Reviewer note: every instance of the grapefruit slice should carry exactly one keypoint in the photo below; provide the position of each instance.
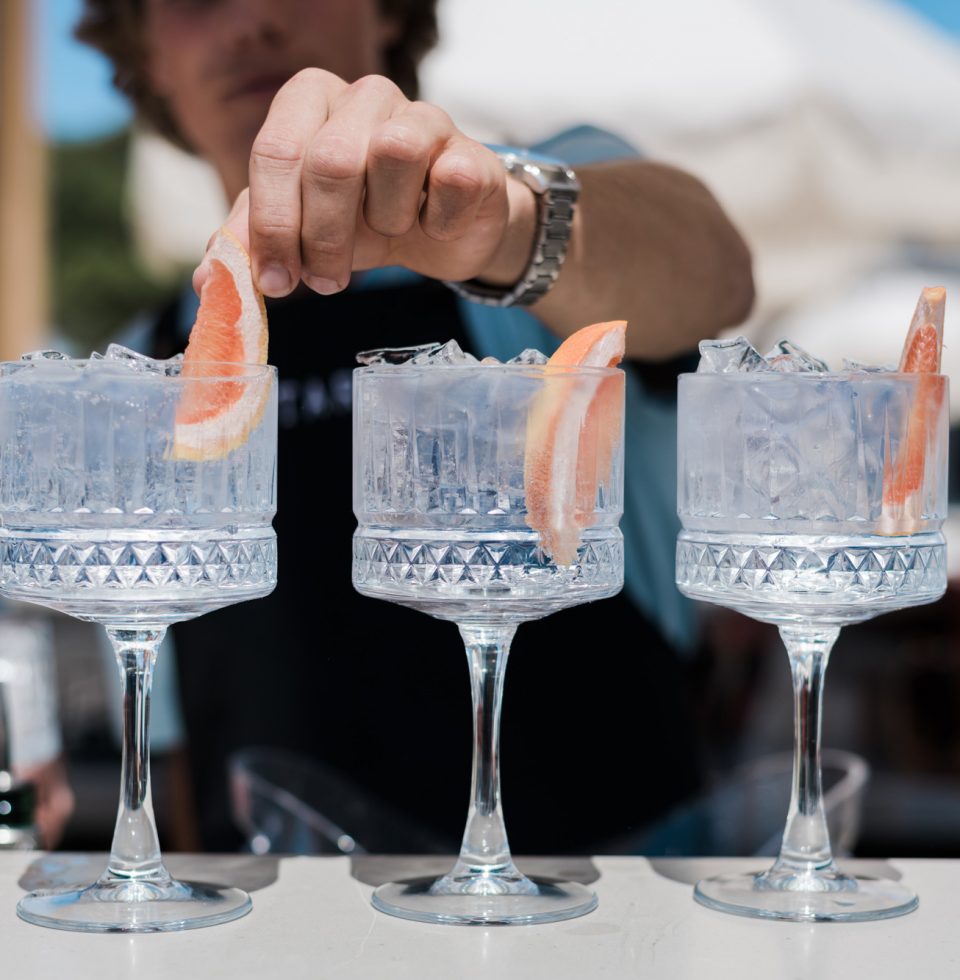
(230, 332)
(573, 433)
(903, 479)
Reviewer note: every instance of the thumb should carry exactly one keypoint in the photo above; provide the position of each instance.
(238, 224)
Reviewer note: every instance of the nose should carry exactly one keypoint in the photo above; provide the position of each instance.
(255, 21)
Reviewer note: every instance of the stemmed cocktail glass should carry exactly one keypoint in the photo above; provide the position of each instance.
(135, 497)
(812, 501)
(441, 499)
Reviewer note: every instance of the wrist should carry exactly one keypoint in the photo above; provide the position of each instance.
(512, 256)
(555, 189)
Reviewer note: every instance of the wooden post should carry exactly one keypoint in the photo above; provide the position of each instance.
(23, 190)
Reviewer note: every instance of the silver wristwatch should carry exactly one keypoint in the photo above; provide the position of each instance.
(557, 188)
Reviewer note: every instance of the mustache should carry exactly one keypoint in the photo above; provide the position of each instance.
(232, 72)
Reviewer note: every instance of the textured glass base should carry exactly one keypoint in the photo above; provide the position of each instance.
(485, 900)
(780, 578)
(822, 897)
(134, 906)
(127, 575)
(475, 576)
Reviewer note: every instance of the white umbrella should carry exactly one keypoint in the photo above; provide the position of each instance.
(700, 73)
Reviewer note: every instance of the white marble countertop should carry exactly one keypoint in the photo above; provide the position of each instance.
(312, 918)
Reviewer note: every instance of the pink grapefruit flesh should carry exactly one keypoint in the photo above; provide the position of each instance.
(573, 435)
(217, 415)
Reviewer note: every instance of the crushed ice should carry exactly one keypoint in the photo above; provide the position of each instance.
(790, 358)
(173, 366)
(857, 367)
(116, 359)
(730, 357)
(529, 356)
(738, 356)
(45, 355)
(394, 355)
(449, 353)
(132, 360)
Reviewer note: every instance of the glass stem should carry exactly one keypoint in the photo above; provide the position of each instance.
(806, 840)
(485, 850)
(135, 853)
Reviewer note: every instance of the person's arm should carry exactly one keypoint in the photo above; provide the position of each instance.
(650, 245)
(354, 176)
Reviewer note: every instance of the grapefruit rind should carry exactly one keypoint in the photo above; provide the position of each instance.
(573, 433)
(210, 426)
(217, 437)
(903, 478)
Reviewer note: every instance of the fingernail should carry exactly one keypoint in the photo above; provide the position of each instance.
(323, 286)
(274, 279)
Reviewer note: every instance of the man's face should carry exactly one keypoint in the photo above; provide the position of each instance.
(218, 63)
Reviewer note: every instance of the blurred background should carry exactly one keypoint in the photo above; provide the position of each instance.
(829, 131)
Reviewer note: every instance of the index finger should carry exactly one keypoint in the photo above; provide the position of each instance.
(299, 109)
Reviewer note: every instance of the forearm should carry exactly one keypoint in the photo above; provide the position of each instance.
(649, 245)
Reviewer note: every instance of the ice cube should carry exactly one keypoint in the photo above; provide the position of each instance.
(45, 355)
(856, 367)
(449, 353)
(729, 357)
(789, 358)
(133, 359)
(529, 356)
(173, 365)
(394, 355)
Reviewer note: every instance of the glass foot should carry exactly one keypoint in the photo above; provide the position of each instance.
(815, 897)
(485, 900)
(134, 906)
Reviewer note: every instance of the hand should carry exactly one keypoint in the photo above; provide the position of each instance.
(54, 799)
(355, 176)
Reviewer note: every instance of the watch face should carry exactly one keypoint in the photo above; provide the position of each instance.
(542, 174)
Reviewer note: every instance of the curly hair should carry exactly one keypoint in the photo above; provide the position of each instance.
(114, 27)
